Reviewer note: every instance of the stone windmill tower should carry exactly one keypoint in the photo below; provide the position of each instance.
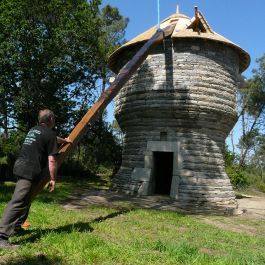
(176, 112)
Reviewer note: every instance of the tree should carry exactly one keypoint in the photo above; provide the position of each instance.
(253, 95)
(114, 25)
(49, 53)
(258, 157)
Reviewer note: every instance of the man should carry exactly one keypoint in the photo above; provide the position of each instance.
(39, 152)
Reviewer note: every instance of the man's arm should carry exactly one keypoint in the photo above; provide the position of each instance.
(53, 171)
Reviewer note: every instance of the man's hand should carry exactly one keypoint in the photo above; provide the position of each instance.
(68, 140)
(51, 185)
(61, 140)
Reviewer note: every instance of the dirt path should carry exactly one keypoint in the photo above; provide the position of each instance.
(248, 206)
(254, 206)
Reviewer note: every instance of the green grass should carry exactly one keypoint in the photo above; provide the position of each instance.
(101, 235)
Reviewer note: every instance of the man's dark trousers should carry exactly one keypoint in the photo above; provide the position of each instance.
(17, 209)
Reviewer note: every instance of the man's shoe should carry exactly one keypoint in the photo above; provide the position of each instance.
(5, 244)
(19, 231)
(26, 224)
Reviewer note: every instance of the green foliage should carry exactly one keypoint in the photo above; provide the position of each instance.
(243, 177)
(230, 157)
(260, 185)
(49, 56)
(11, 145)
(3, 160)
(9, 148)
(258, 157)
(237, 176)
(255, 177)
(248, 140)
(235, 173)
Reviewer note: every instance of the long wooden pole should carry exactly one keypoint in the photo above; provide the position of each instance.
(124, 75)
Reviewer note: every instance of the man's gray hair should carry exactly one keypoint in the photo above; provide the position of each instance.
(45, 116)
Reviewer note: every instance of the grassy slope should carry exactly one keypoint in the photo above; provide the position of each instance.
(100, 235)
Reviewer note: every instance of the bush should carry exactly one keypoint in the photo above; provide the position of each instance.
(260, 185)
(73, 168)
(237, 176)
(9, 149)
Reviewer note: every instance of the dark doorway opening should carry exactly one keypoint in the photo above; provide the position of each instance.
(163, 168)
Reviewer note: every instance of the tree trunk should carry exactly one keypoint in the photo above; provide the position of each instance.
(243, 156)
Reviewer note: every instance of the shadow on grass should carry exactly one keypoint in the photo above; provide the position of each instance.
(39, 259)
(77, 227)
(6, 191)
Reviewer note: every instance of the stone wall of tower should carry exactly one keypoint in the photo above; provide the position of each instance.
(183, 95)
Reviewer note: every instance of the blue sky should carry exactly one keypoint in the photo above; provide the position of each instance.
(240, 21)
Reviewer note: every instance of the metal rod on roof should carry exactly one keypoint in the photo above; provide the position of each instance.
(177, 10)
(196, 12)
(158, 14)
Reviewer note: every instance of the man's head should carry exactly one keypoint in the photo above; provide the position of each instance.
(46, 116)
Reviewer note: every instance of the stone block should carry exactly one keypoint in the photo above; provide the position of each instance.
(162, 146)
(144, 188)
(141, 174)
(148, 161)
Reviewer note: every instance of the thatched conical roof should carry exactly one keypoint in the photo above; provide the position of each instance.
(197, 27)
